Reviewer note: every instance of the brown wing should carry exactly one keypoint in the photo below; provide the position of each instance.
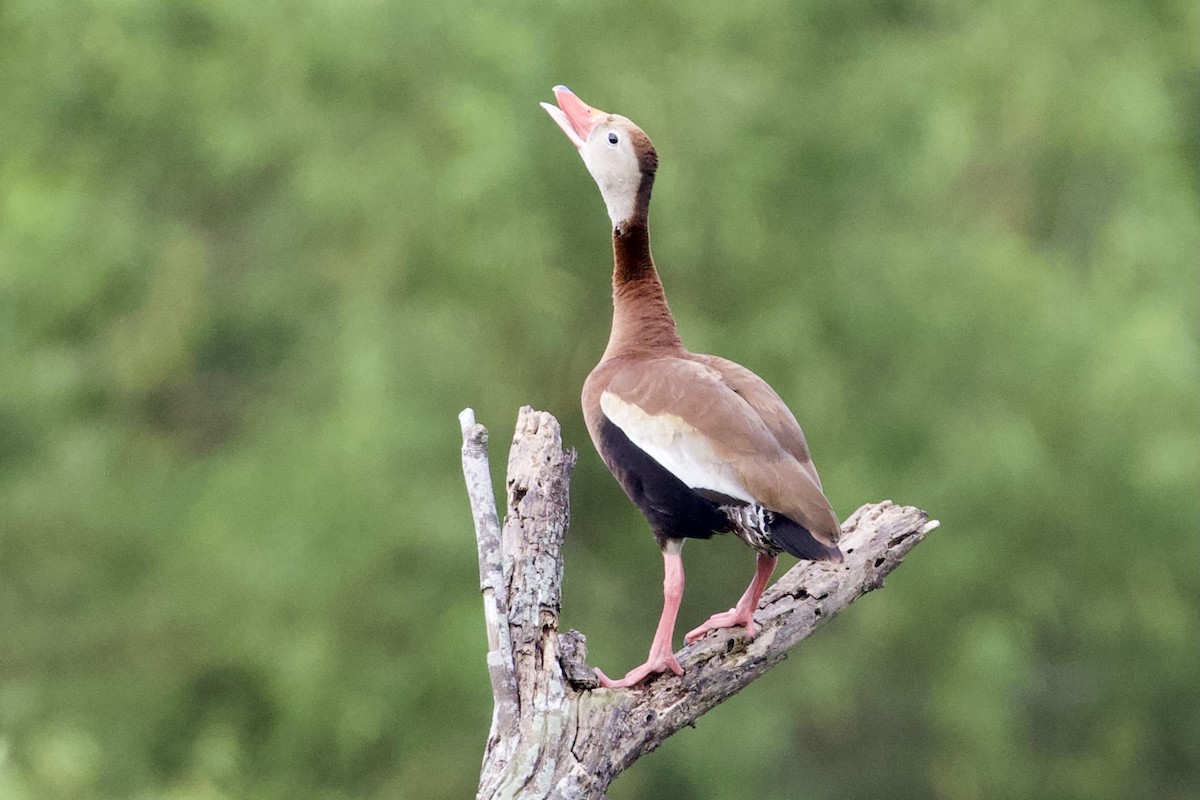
(769, 406)
(702, 426)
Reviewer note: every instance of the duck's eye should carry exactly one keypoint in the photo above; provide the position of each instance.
(612, 138)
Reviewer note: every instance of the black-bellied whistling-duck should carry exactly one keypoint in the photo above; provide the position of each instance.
(700, 444)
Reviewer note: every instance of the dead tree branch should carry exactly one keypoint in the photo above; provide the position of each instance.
(553, 734)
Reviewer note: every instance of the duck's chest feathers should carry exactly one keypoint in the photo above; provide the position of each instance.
(674, 510)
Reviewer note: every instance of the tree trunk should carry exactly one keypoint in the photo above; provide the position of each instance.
(555, 734)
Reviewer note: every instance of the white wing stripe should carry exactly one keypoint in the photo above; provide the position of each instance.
(677, 446)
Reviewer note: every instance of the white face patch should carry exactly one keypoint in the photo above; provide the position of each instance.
(677, 446)
(615, 168)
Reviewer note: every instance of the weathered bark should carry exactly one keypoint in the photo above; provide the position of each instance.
(554, 735)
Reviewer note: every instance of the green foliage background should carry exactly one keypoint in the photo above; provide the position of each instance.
(255, 257)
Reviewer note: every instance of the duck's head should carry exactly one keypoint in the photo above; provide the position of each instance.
(618, 153)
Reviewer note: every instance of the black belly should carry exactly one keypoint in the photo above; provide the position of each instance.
(673, 510)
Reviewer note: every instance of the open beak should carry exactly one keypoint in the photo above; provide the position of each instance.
(575, 117)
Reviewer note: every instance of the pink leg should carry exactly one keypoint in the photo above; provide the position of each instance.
(743, 612)
(662, 656)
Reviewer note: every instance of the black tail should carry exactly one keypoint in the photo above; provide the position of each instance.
(794, 538)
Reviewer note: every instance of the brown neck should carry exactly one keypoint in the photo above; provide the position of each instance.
(642, 322)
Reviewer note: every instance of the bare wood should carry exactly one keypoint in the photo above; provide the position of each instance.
(553, 734)
(477, 473)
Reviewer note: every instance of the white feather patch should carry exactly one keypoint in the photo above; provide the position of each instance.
(677, 446)
(616, 172)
